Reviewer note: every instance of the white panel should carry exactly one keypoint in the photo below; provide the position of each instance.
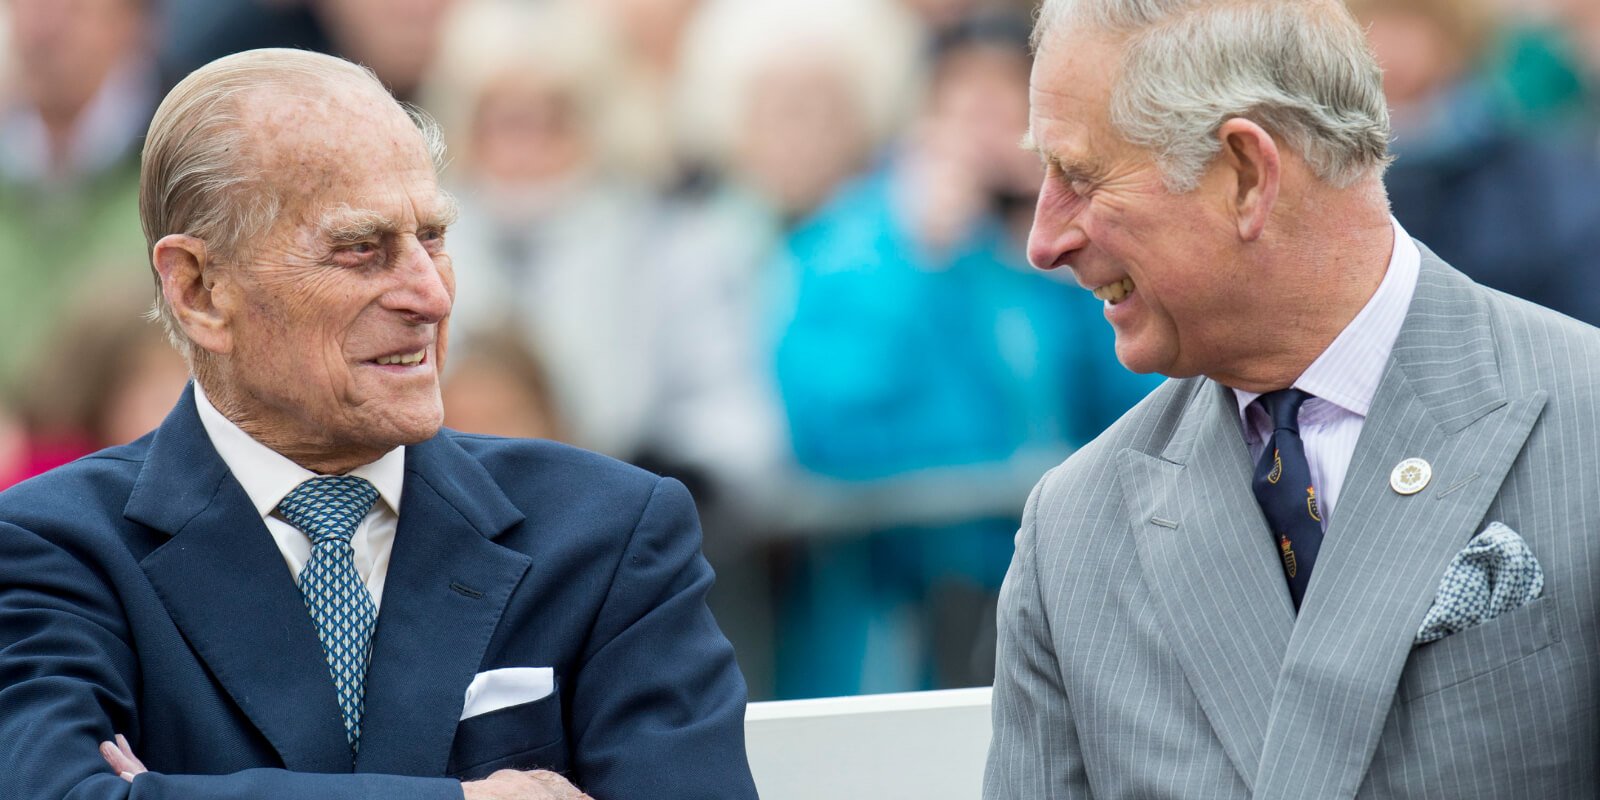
(923, 745)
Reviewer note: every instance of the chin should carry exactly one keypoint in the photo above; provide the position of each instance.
(1136, 360)
(411, 428)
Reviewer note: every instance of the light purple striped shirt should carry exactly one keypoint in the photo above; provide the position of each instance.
(1344, 379)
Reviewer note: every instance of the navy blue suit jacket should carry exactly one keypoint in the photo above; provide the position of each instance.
(141, 594)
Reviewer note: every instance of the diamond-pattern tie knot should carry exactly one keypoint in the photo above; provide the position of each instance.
(328, 509)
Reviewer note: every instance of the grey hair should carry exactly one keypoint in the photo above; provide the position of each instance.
(198, 178)
(1299, 68)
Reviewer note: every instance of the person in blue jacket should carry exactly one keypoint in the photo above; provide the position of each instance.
(928, 374)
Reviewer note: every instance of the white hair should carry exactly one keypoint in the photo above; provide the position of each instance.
(1299, 68)
(561, 42)
(197, 177)
(874, 44)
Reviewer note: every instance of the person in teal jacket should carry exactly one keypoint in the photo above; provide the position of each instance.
(927, 374)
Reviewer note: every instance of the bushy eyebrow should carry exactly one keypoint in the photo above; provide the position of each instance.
(445, 211)
(1070, 169)
(345, 224)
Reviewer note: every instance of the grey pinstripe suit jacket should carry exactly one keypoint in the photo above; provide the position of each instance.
(1148, 647)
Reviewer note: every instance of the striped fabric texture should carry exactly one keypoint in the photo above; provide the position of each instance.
(1148, 647)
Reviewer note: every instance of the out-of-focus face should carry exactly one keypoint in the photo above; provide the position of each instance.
(526, 130)
(335, 323)
(66, 48)
(482, 396)
(396, 38)
(1417, 57)
(1163, 263)
(652, 28)
(152, 379)
(981, 96)
(801, 135)
(940, 13)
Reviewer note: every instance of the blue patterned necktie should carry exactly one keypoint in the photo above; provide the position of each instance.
(328, 508)
(1283, 488)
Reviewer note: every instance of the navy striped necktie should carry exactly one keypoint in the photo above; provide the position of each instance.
(1283, 488)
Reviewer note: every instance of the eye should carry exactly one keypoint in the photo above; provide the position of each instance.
(1074, 181)
(358, 253)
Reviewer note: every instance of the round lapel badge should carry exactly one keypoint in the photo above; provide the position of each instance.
(1410, 476)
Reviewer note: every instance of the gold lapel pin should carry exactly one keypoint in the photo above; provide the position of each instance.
(1410, 476)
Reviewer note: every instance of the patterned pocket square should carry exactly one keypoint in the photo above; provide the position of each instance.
(1495, 573)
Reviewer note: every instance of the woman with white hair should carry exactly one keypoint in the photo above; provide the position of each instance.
(643, 336)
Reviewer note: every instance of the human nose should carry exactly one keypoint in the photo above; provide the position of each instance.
(425, 291)
(1057, 233)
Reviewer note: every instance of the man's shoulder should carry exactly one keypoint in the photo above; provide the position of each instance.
(1542, 349)
(85, 498)
(532, 469)
(1145, 429)
(106, 475)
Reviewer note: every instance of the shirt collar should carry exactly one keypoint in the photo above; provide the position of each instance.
(267, 477)
(1347, 374)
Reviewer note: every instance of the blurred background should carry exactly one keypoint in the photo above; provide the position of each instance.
(773, 248)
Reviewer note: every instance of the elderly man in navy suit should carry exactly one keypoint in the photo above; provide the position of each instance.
(300, 586)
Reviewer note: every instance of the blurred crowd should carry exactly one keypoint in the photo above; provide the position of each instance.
(773, 248)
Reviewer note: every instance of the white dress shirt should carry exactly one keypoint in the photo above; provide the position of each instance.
(267, 477)
(1344, 379)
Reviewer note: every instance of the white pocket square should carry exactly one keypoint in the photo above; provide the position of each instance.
(1495, 573)
(502, 688)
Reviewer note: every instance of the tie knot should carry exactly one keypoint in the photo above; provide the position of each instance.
(328, 506)
(1283, 406)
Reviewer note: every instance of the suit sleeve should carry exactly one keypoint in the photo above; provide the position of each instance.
(69, 680)
(1034, 752)
(658, 703)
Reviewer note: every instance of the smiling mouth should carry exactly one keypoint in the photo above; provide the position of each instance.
(1115, 292)
(402, 359)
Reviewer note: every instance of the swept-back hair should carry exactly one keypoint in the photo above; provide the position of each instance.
(1302, 69)
(199, 176)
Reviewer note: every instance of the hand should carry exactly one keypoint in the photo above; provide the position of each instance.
(508, 784)
(121, 758)
(943, 191)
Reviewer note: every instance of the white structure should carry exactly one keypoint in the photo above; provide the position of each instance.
(924, 745)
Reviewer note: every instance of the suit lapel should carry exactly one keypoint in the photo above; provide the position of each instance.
(1209, 560)
(446, 589)
(1441, 399)
(228, 590)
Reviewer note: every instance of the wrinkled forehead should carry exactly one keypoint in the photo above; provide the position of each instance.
(1073, 77)
(314, 141)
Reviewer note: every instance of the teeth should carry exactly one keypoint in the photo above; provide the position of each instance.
(1113, 293)
(409, 359)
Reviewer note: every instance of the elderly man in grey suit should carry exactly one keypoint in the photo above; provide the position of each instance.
(1352, 548)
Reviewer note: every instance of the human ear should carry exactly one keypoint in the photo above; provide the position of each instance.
(189, 284)
(1251, 154)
